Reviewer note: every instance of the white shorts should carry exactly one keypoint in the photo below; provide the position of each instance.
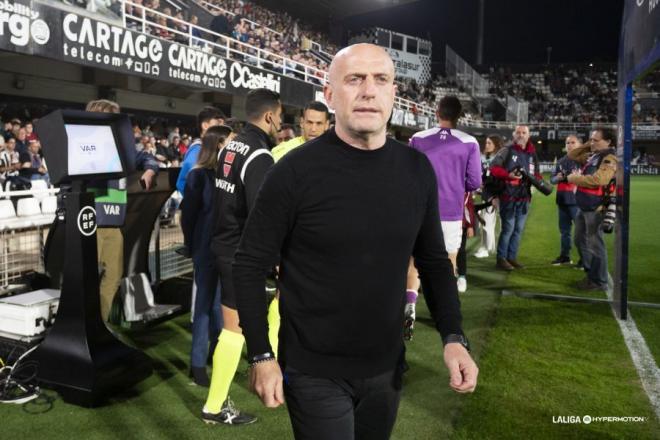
(453, 234)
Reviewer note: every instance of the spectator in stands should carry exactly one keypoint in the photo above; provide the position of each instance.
(29, 129)
(133, 9)
(146, 131)
(174, 132)
(183, 145)
(9, 161)
(195, 32)
(220, 24)
(566, 204)
(162, 30)
(167, 11)
(144, 140)
(115, 7)
(16, 125)
(137, 133)
(161, 152)
(153, 5)
(171, 152)
(33, 166)
(7, 130)
(197, 226)
(206, 118)
(286, 133)
(21, 140)
(174, 147)
(515, 200)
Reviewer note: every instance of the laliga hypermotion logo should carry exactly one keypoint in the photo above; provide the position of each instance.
(22, 22)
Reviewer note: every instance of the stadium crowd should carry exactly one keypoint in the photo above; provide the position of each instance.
(558, 93)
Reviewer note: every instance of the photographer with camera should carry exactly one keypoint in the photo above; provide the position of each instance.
(594, 181)
(515, 164)
(566, 204)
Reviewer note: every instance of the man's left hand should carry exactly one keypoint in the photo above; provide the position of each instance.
(148, 178)
(463, 371)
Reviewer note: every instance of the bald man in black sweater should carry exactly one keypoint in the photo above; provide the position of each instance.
(341, 215)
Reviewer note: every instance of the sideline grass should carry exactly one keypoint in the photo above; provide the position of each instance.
(538, 359)
(547, 358)
(167, 406)
(540, 245)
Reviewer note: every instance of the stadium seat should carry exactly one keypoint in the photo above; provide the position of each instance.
(29, 214)
(48, 208)
(7, 211)
(27, 207)
(39, 189)
(49, 205)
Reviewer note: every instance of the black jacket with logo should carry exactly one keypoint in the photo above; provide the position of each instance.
(242, 165)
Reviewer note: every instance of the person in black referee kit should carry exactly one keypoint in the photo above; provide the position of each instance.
(341, 215)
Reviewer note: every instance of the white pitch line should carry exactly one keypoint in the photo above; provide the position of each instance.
(641, 356)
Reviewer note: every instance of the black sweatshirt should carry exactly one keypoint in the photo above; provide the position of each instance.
(345, 222)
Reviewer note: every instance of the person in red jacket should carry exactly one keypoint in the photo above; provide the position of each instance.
(515, 200)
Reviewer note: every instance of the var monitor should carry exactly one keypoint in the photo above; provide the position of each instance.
(81, 145)
(92, 149)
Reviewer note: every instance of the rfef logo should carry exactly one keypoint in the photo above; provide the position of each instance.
(87, 221)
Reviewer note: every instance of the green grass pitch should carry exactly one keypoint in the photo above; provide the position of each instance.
(539, 360)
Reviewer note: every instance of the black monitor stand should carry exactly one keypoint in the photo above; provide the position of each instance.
(80, 357)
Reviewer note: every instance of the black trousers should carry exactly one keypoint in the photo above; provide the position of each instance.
(461, 258)
(342, 409)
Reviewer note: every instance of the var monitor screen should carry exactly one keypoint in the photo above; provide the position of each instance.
(92, 149)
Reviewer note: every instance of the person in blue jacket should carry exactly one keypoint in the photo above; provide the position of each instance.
(197, 225)
(207, 117)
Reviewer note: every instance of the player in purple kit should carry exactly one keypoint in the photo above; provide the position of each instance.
(456, 159)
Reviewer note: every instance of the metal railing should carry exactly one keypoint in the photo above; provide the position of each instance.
(219, 44)
(477, 86)
(166, 238)
(231, 48)
(22, 246)
(211, 7)
(577, 126)
(460, 71)
(21, 252)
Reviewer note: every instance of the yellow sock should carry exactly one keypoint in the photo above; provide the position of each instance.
(274, 324)
(226, 356)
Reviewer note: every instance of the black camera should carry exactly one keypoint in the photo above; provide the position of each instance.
(544, 187)
(609, 217)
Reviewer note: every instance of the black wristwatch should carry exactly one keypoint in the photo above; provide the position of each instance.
(456, 338)
(263, 357)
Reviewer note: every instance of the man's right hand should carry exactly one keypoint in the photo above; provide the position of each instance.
(515, 175)
(266, 382)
